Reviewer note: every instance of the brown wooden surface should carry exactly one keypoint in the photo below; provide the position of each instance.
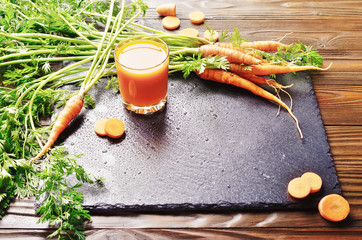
(335, 29)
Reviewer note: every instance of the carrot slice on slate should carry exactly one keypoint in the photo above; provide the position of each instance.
(298, 188)
(99, 127)
(314, 180)
(114, 127)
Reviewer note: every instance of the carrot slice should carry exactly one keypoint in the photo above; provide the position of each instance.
(314, 181)
(114, 127)
(193, 32)
(334, 207)
(170, 22)
(298, 188)
(211, 36)
(167, 9)
(197, 17)
(99, 127)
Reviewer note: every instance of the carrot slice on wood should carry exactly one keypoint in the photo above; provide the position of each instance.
(167, 9)
(334, 207)
(99, 127)
(298, 188)
(193, 32)
(314, 181)
(114, 127)
(170, 22)
(211, 36)
(197, 17)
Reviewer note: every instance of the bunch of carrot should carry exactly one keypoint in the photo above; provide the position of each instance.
(247, 68)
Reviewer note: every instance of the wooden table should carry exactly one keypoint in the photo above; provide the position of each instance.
(332, 27)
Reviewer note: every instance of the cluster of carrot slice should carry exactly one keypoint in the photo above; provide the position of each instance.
(301, 187)
(111, 127)
(332, 207)
(172, 22)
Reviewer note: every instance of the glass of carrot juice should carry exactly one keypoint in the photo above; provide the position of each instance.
(142, 69)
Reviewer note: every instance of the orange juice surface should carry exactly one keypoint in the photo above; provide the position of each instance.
(142, 71)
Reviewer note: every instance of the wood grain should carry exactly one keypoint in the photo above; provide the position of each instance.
(335, 29)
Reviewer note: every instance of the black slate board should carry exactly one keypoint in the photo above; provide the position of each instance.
(214, 147)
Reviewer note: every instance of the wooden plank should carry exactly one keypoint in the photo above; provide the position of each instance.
(339, 104)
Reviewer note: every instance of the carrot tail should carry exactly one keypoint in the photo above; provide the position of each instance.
(71, 110)
(264, 81)
(232, 55)
(223, 76)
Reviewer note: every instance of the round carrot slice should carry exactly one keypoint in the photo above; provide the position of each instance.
(211, 36)
(167, 9)
(298, 188)
(99, 127)
(170, 22)
(197, 17)
(192, 32)
(114, 127)
(314, 181)
(334, 207)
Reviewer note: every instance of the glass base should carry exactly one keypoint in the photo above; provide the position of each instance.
(148, 109)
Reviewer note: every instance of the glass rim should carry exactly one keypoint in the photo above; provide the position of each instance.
(140, 37)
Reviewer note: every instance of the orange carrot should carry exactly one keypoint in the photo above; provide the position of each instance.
(298, 188)
(71, 110)
(265, 46)
(263, 81)
(99, 127)
(231, 54)
(114, 127)
(233, 46)
(167, 9)
(197, 17)
(170, 22)
(314, 181)
(223, 76)
(212, 36)
(267, 69)
(193, 32)
(334, 207)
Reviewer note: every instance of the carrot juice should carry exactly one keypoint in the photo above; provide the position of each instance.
(142, 69)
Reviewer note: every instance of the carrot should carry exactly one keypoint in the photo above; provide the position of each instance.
(263, 81)
(70, 111)
(197, 17)
(267, 69)
(334, 207)
(211, 36)
(231, 54)
(170, 22)
(298, 188)
(238, 48)
(167, 9)
(223, 76)
(265, 46)
(114, 127)
(99, 127)
(314, 181)
(193, 32)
